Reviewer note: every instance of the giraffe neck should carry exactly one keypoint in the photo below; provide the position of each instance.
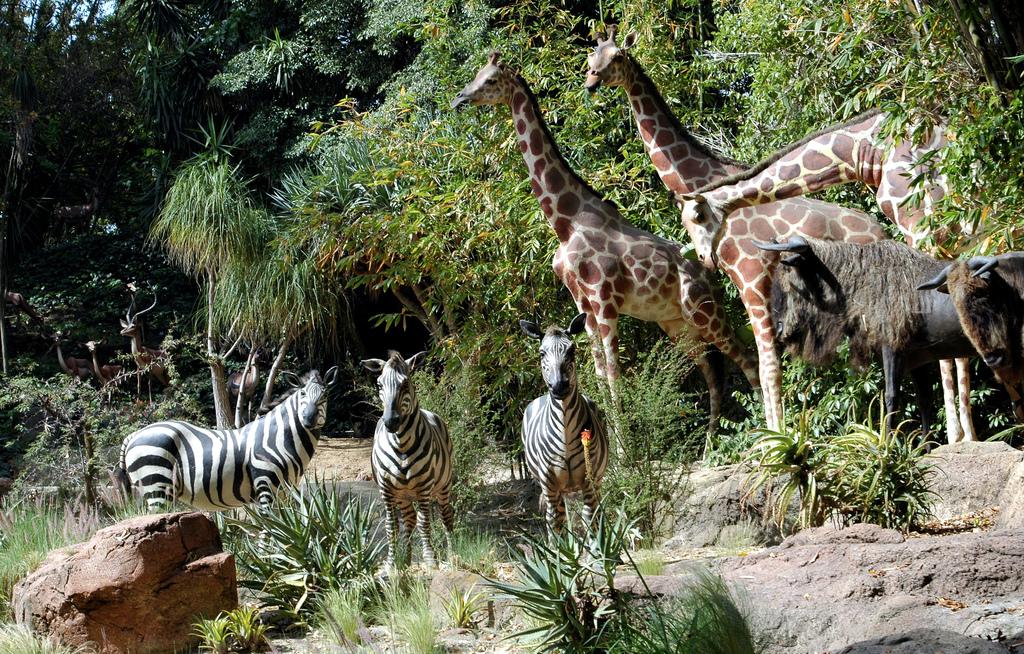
(837, 155)
(560, 191)
(683, 164)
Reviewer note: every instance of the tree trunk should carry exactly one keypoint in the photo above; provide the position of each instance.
(250, 361)
(219, 383)
(3, 297)
(268, 390)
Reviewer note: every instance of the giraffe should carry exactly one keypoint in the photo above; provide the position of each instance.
(856, 150)
(683, 165)
(610, 267)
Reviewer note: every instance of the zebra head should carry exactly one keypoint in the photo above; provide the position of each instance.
(557, 354)
(311, 399)
(397, 394)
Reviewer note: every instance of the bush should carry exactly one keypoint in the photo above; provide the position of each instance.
(239, 630)
(862, 475)
(566, 587)
(403, 605)
(308, 543)
(660, 435)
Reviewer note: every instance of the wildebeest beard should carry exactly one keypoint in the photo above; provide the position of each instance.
(838, 290)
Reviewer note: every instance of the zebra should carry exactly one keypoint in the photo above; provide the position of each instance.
(220, 469)
(412, 456)
(555, 426)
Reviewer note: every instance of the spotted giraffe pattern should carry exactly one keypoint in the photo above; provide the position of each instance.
(610, 267)
(852, 151)
(684, 165)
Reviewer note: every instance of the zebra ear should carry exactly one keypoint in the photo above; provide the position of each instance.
(415, 360)
(531, 329)
(331, 376)
(577, 325)
(290, 378)
(373, 365)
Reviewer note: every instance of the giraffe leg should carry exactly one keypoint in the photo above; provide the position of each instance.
(596, 350)
(963, 378)
(768, 367)
(712, 327)
(714, 376)
(954, 433)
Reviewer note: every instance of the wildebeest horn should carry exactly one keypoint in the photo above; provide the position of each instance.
(937, 281)
(797, 244)
(981, 265)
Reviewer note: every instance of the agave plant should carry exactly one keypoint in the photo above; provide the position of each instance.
(789, 457)
(566, 586)
(882, 476)
(309, 542)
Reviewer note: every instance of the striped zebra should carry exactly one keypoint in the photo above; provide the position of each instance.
(218, 469)
(556, 425)
(412, 456)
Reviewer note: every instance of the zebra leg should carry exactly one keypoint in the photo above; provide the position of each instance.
(423, 519)
(408, 514)
(554, 512)
(391, 527)
(159, 497)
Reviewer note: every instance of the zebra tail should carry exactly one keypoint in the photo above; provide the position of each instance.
(120, 475)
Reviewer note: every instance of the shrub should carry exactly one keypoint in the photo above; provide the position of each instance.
(474, 551)
(567, 586)
(659, 437)
(705, 620)
(309, 542)
(462, 605)
(861, 475)
(238, 630)
(403, 605)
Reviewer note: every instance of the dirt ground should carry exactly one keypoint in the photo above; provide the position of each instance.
(342, 459)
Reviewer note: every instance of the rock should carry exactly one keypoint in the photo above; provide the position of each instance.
(926, 641)
(824, 589)
(972, 476)
(718, 509)
(137, 586)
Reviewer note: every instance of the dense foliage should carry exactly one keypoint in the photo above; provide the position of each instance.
(299, 163)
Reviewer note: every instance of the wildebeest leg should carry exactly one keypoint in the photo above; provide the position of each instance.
(963, 380)
(892, 366)
(923, 385)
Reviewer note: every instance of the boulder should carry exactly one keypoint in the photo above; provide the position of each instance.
(717, 509)
(824, 589)
(137, 586)
(973, 476)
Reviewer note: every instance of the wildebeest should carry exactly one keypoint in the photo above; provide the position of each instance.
(988, 294)
(830, 290)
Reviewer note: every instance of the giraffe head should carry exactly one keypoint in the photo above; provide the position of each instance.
(493, 84)
(394, 384)
(609, 64)
(702, 224)
(557, 354)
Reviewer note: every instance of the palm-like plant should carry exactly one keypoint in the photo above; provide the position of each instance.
(208, 223)
(884, 475)
(789, 454)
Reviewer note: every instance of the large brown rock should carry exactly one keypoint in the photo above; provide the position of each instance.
(825, 589)
(137, 586)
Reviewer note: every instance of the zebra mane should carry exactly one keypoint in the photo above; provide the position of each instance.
(397, 362)
(554, 330)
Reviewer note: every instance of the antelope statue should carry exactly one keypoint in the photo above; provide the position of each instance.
(73, 366)
(105, 373)
(19, 303)
(145, 357)
(247, 388)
